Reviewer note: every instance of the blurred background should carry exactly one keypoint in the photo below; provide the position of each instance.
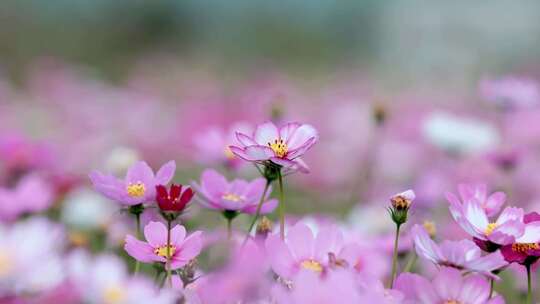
(405, 94)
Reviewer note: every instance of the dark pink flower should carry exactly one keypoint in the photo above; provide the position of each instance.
(526, 249)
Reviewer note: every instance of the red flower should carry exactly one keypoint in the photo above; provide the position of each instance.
(173, 200)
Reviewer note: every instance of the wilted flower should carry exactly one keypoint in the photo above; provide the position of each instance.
(215, 192)
(139, 185)
(182, 248)
(448, 286)
(462, 255)
(282, 147)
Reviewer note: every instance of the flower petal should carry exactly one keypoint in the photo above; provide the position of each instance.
(301, 135)
(166, 173)
(156, 234)
(139, 250)
(266, 133)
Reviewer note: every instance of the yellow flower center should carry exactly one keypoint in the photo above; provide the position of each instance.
(228, 153)
(400, 202)
(114, 295)
(5, 264)
(452, 302)
(136, 189)
(279, 147)
(162, 250)
(524, 247)
(430, 227)
(232, 197)
(490, 228)
(312, 265)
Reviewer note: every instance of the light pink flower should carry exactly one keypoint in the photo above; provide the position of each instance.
(490, 203)
(139, 185)
(303, 250)
(283, 146)
(182, 248)
(474, 220)
(215, 192)
(448, 286)
(462, 255)
(511, 92)
(31, 194)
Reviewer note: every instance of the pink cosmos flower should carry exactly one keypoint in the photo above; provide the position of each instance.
(283, 146)
(448, 286)
(31, 194)
(462, 255)
(511, 92)
(491, 204)
(139, 185)
(215, 192)
(303, 250)
(526, 249)
(472, 217)
(182, 248)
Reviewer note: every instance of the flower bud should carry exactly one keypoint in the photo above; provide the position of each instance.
(401, 203)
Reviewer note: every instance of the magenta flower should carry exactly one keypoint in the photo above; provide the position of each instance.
(491, 204)
(31, 194)
(139, 185)
(182, 248)
(283, 146)
(448, 286)
(462, 255)
(302, 250)
(215, 192)
(472, 217)
(174, 199)
(526, 249)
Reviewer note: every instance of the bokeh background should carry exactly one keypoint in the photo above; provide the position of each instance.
(405, 94)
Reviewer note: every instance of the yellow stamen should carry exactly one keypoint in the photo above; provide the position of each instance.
(312, 265)
(490, 228)
(228, 153)
(524, 247)
(400, 202)
(279, 147)
(232, 197)
(5, 264)
(113, 295)
(136, 189)
(430, 228)
(162, 250)
(452, 302)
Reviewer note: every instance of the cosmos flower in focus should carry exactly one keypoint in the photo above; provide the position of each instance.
(182, 248)
(472, 217)
(138, 186)
(462, 255)
(526, 249)
(238, 195)
(281, 146)
(173, 199)
(490, 203)
(448, 286)
(400, 204)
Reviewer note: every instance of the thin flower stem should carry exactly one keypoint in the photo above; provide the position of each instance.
(394, 258)
(229, 229)
(491, 286)
(411, 262)
(529, 287)
(138, 223)
(281, 209)
(258, 211)
(168, 264)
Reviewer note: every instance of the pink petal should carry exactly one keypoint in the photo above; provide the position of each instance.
(301, 135)
(507, 232)
(292, 154)
(139, 250)
(245, 140)
(214, 184)
(266, 133)
(287, 130)
(284, 162)
(494, 203)
(191, 247)
(267, 207)
(475, 289)
(140, 172)
(448, 283)
(301, 241)
(510, 214)
(531, 233)
(178, 234)
(280, 257)
(156, 234)
(424, 245)
(475, 215)
(165, 173)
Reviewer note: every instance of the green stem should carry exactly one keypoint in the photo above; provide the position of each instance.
(491, 287)
(394, 258)
(229, 229)
(529, 287)
(168, 265)
(258, 211)
(138, 223)
(281, 207)
(411, 262)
